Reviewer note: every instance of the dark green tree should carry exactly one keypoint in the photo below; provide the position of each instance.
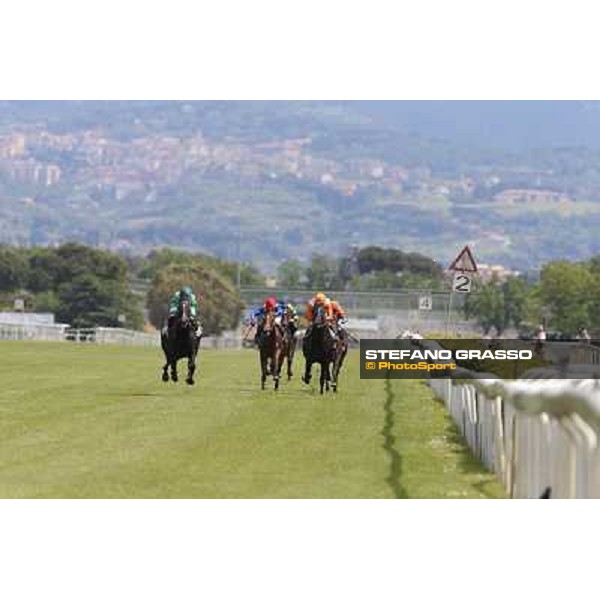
(321, 273)
(13, 269)
(220, 304)
(290, 273)
(488, 307)
(88, 301)
(515, 292)
(566, 290)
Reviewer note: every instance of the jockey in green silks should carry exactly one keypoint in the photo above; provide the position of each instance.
(185, 292)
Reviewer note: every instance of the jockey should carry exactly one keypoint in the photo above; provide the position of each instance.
(290, 311)
(270, 305)
(319, 299)
(185, 292)
(338, 314)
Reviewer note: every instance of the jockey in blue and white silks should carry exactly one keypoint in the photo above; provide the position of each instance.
(270, 305)
(279, 308)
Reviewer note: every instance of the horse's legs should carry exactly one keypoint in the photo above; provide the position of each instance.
(323, 376)
(334, 375)
(191, 370)
(263, 370)
(307, 374)
(278, 358)
(165, 348)
(290, 358)
(275, 369)
(339, 361)
(289, 355)
(335, 370)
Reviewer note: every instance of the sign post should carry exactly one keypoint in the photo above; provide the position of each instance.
(464, 268)
(425, 302)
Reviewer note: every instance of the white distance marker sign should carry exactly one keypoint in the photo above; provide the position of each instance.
(462, 282)
(425, 302)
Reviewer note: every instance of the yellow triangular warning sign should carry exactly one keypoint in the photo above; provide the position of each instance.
(464, 262)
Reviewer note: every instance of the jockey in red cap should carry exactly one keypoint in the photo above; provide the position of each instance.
(270, 304)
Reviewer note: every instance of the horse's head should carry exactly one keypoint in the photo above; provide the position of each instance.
(268, 322)
(320, 318)
(185, 312)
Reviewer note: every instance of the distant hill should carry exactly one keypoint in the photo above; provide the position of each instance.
(516, 126)
(265, 181)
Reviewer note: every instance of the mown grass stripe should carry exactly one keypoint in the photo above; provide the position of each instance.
(81, 421)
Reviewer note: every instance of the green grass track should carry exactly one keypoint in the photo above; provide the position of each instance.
(87, 421)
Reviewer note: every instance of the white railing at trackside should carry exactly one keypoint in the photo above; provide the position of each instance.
(539, 435)
(125, 337)
(46, 333)
(105, 335)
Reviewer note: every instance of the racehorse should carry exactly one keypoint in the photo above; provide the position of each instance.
(341, 349)
(272, 347)
(319, 347)
(289, 330)
(178, 340)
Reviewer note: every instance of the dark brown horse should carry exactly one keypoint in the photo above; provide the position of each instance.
(341, 349)
(178, 340)
(319, 346)
(289, 329)
(272, 347)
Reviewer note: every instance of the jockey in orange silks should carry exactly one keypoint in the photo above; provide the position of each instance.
(317, 300)
(337, 312)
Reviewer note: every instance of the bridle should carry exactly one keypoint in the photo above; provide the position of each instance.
(319, 320)
(184, 313)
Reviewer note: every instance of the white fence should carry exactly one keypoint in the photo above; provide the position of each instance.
(126, 337)
(538, 435)
(46, 333)
(104, 335)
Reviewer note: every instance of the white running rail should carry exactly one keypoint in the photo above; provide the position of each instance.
(46, 333)
(537, 434)
(105, 335)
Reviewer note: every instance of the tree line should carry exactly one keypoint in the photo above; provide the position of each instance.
(565, 298)
(367, 268)
(81, 285)
(87, 286)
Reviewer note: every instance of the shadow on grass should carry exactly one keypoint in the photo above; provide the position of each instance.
(467, 462)
(389, 440)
